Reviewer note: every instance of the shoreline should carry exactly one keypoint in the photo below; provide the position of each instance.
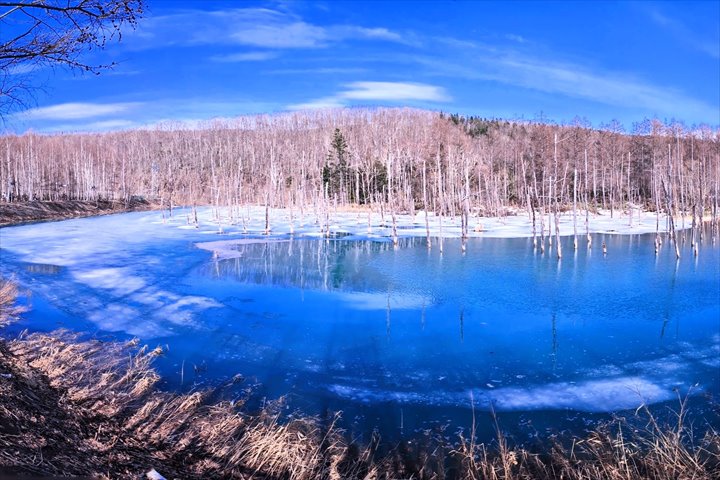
(371, 224)
(356, 221)
(13, 214)
(251, 225)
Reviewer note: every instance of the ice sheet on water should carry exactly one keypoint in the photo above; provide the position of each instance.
(183, 310)
(592, 396)
(111, 256)
(231, 248)
(119, 280)
(129, 280)
(604, 388)
(604, 395)
(122, 318)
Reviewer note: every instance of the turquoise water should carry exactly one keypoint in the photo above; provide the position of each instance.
(400, 339)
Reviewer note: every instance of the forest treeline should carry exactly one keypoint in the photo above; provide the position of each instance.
(397, 159)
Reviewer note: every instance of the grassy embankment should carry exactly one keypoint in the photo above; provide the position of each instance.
(83, 407)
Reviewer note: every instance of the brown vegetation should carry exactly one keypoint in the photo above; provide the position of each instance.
(9, 311)
(36, 210)
(70, 406)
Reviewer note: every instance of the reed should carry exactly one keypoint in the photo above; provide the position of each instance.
(9, 310)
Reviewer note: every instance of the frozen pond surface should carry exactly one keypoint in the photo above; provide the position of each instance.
(400, 338)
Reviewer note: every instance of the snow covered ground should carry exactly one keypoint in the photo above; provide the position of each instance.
(367, 225)
(364, 223)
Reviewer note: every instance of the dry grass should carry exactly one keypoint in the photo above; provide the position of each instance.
(100, 405)
(624, 449)
(9, 311)
(70, 406)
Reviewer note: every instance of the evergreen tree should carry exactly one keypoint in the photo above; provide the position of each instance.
(337, 174)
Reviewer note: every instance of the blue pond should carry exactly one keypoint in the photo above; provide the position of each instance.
(399, 339)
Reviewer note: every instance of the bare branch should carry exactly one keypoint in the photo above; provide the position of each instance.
(57, 33)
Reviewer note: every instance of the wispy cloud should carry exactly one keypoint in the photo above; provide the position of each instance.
(273, 30)
(22, 69)
(362, 32)
(394, 91)
(515, 38)
(118, 72)
(115, 124)
(377, 91)
(318, 104)
(109, 73)
(160, 113)
(244, 57)
(77, 111)
(253, 27)
(541, 73)
(81, 127)
(317, 71)
(605, 87)
(686, 35)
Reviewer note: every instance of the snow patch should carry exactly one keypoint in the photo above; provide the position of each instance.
(592, 396)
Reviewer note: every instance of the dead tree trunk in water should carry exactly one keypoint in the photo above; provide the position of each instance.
(575, 242)
(425, 204)
(466, 208)
(587, 205)
(440, 195)
(267, 217)
(673, 236)
(532, 211)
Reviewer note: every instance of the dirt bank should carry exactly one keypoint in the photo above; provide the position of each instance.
(34, 211)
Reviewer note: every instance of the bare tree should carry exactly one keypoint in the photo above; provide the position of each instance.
(56, 33)
(394, 160)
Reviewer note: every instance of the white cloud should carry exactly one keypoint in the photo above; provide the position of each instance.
(320, 103)
(244, 57)
(510, 67)
(515, 38)
(256, 27)
(686, 35)
(609, 88)
(377, 91)
(100, 126)
(77, 111)
(167, 113)
(115, 124)
(382, 33)
(316, 71)
(394, 91)
(280, 35)
(22, 69)
(362, 32)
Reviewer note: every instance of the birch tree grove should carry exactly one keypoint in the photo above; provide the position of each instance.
(390, 160)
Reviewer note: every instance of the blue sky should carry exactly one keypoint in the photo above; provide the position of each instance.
(196, 60)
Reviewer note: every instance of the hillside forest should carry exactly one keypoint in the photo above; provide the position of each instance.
(390, 160)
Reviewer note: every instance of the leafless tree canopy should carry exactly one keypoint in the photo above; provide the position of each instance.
(396, 160)
(36, 33)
